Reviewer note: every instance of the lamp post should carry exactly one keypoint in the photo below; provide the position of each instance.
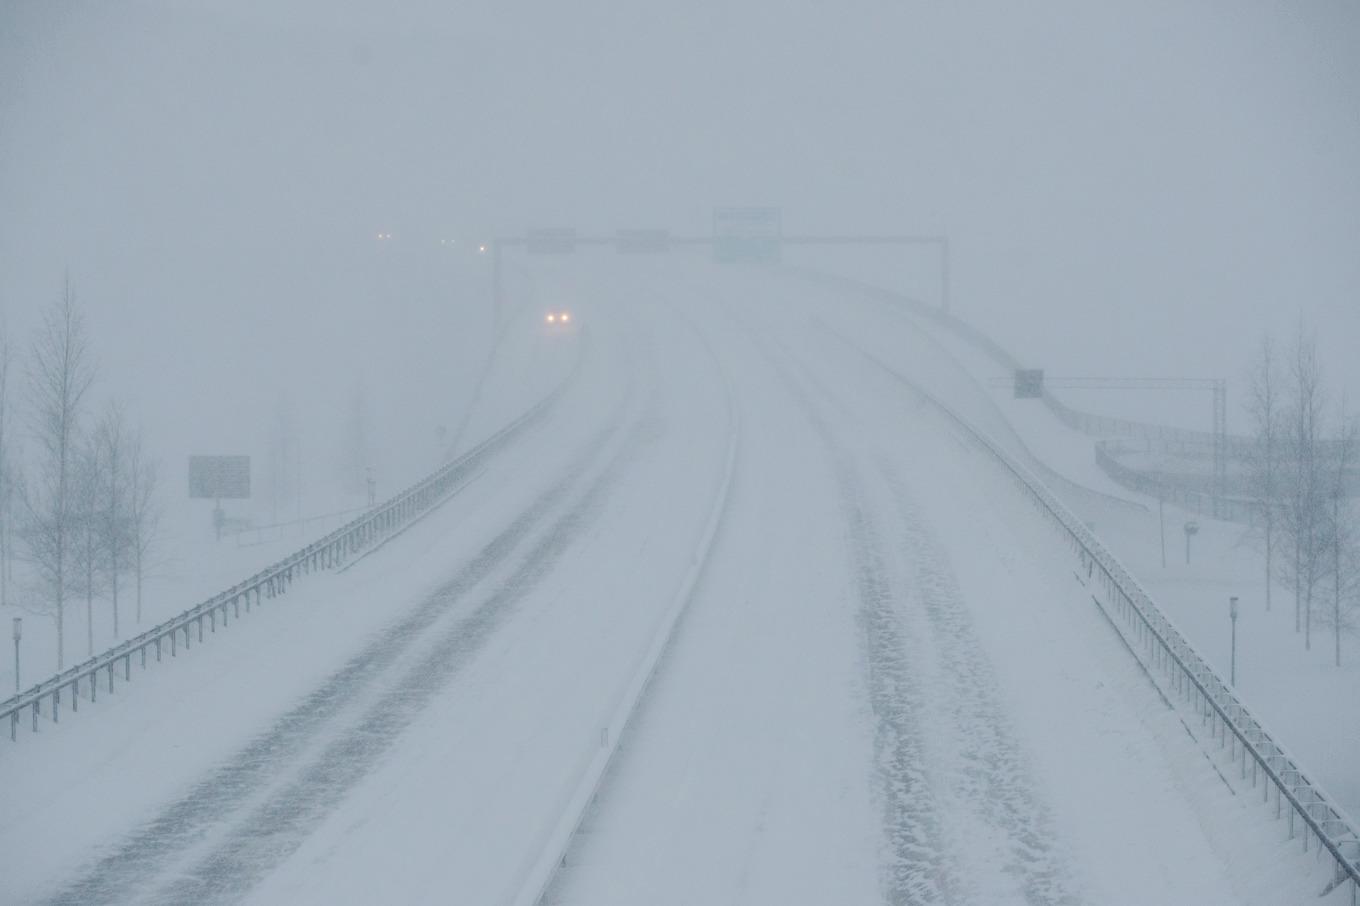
(18, 634)
(1191, 529)
(1232, 615)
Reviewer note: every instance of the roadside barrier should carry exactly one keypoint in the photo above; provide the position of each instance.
(45, 701)
(1178, 669)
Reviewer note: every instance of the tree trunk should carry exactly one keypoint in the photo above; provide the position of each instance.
(89, 600)
(1298, 583)
(1336, 573)
(1270, 519)
(61, 605)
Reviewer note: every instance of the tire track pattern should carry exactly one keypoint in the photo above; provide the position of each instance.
(275, 830)
(918, 869)
(994, 780)
(232, 787)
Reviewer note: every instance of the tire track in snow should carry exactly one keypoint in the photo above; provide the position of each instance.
(918, 867)
(234, 786)
(995, 782)
(274, 831)
(994, 779)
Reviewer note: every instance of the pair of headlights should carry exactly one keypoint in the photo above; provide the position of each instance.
(558, 317)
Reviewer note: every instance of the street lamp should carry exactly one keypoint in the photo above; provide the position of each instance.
(18, 634)
(1232, 615)
(1191, 529)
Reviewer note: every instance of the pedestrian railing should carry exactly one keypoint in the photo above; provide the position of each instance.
(1175, 665)
(1166, 488)
(46, 700)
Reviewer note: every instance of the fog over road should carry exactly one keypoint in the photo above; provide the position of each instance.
(886, 684)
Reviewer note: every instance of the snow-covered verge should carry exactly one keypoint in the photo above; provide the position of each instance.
(1308, 704)
(188, 564)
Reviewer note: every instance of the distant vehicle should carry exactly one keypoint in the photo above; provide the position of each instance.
(558, 318)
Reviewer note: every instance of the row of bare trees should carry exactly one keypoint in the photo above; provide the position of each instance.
(1304, 474)
(84, 503)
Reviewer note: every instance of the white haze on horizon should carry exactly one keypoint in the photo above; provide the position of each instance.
(1127, 190)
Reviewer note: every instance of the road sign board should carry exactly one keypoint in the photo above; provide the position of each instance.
(1029, 383)
(555, 241)
(747, 234)
(219, 477)
(642, 242)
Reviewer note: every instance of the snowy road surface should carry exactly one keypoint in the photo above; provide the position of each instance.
(887, 686)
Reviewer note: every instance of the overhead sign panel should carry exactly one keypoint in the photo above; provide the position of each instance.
(219, 477)
(555, 241)
(642, 242)
(1029, 383)
(747, 234)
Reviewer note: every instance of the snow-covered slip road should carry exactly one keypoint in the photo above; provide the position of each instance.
(885, 687)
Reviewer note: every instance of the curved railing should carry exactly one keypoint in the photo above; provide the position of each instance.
(45, 700)
(1165, 652)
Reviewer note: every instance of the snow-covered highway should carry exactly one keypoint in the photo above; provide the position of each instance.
(884, 686)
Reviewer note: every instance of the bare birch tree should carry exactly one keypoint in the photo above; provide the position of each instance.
(1341, 529)
(87, 549)
(1265, 407)
(60, 374)
(1305, 508)
(144, 512)
(111, 440)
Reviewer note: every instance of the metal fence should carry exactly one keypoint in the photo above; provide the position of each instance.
(47, 698)
(1174, 663)
(1167, 488)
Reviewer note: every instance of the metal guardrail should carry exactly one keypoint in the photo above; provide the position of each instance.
(1165, 652)
(330, 552)
(1154, 484)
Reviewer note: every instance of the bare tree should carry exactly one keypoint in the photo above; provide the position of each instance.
(111, 440)
(1265, 408)
(60, 374)
(1304, 511)
(87, 549)
(144, 513)
(1341, 528)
